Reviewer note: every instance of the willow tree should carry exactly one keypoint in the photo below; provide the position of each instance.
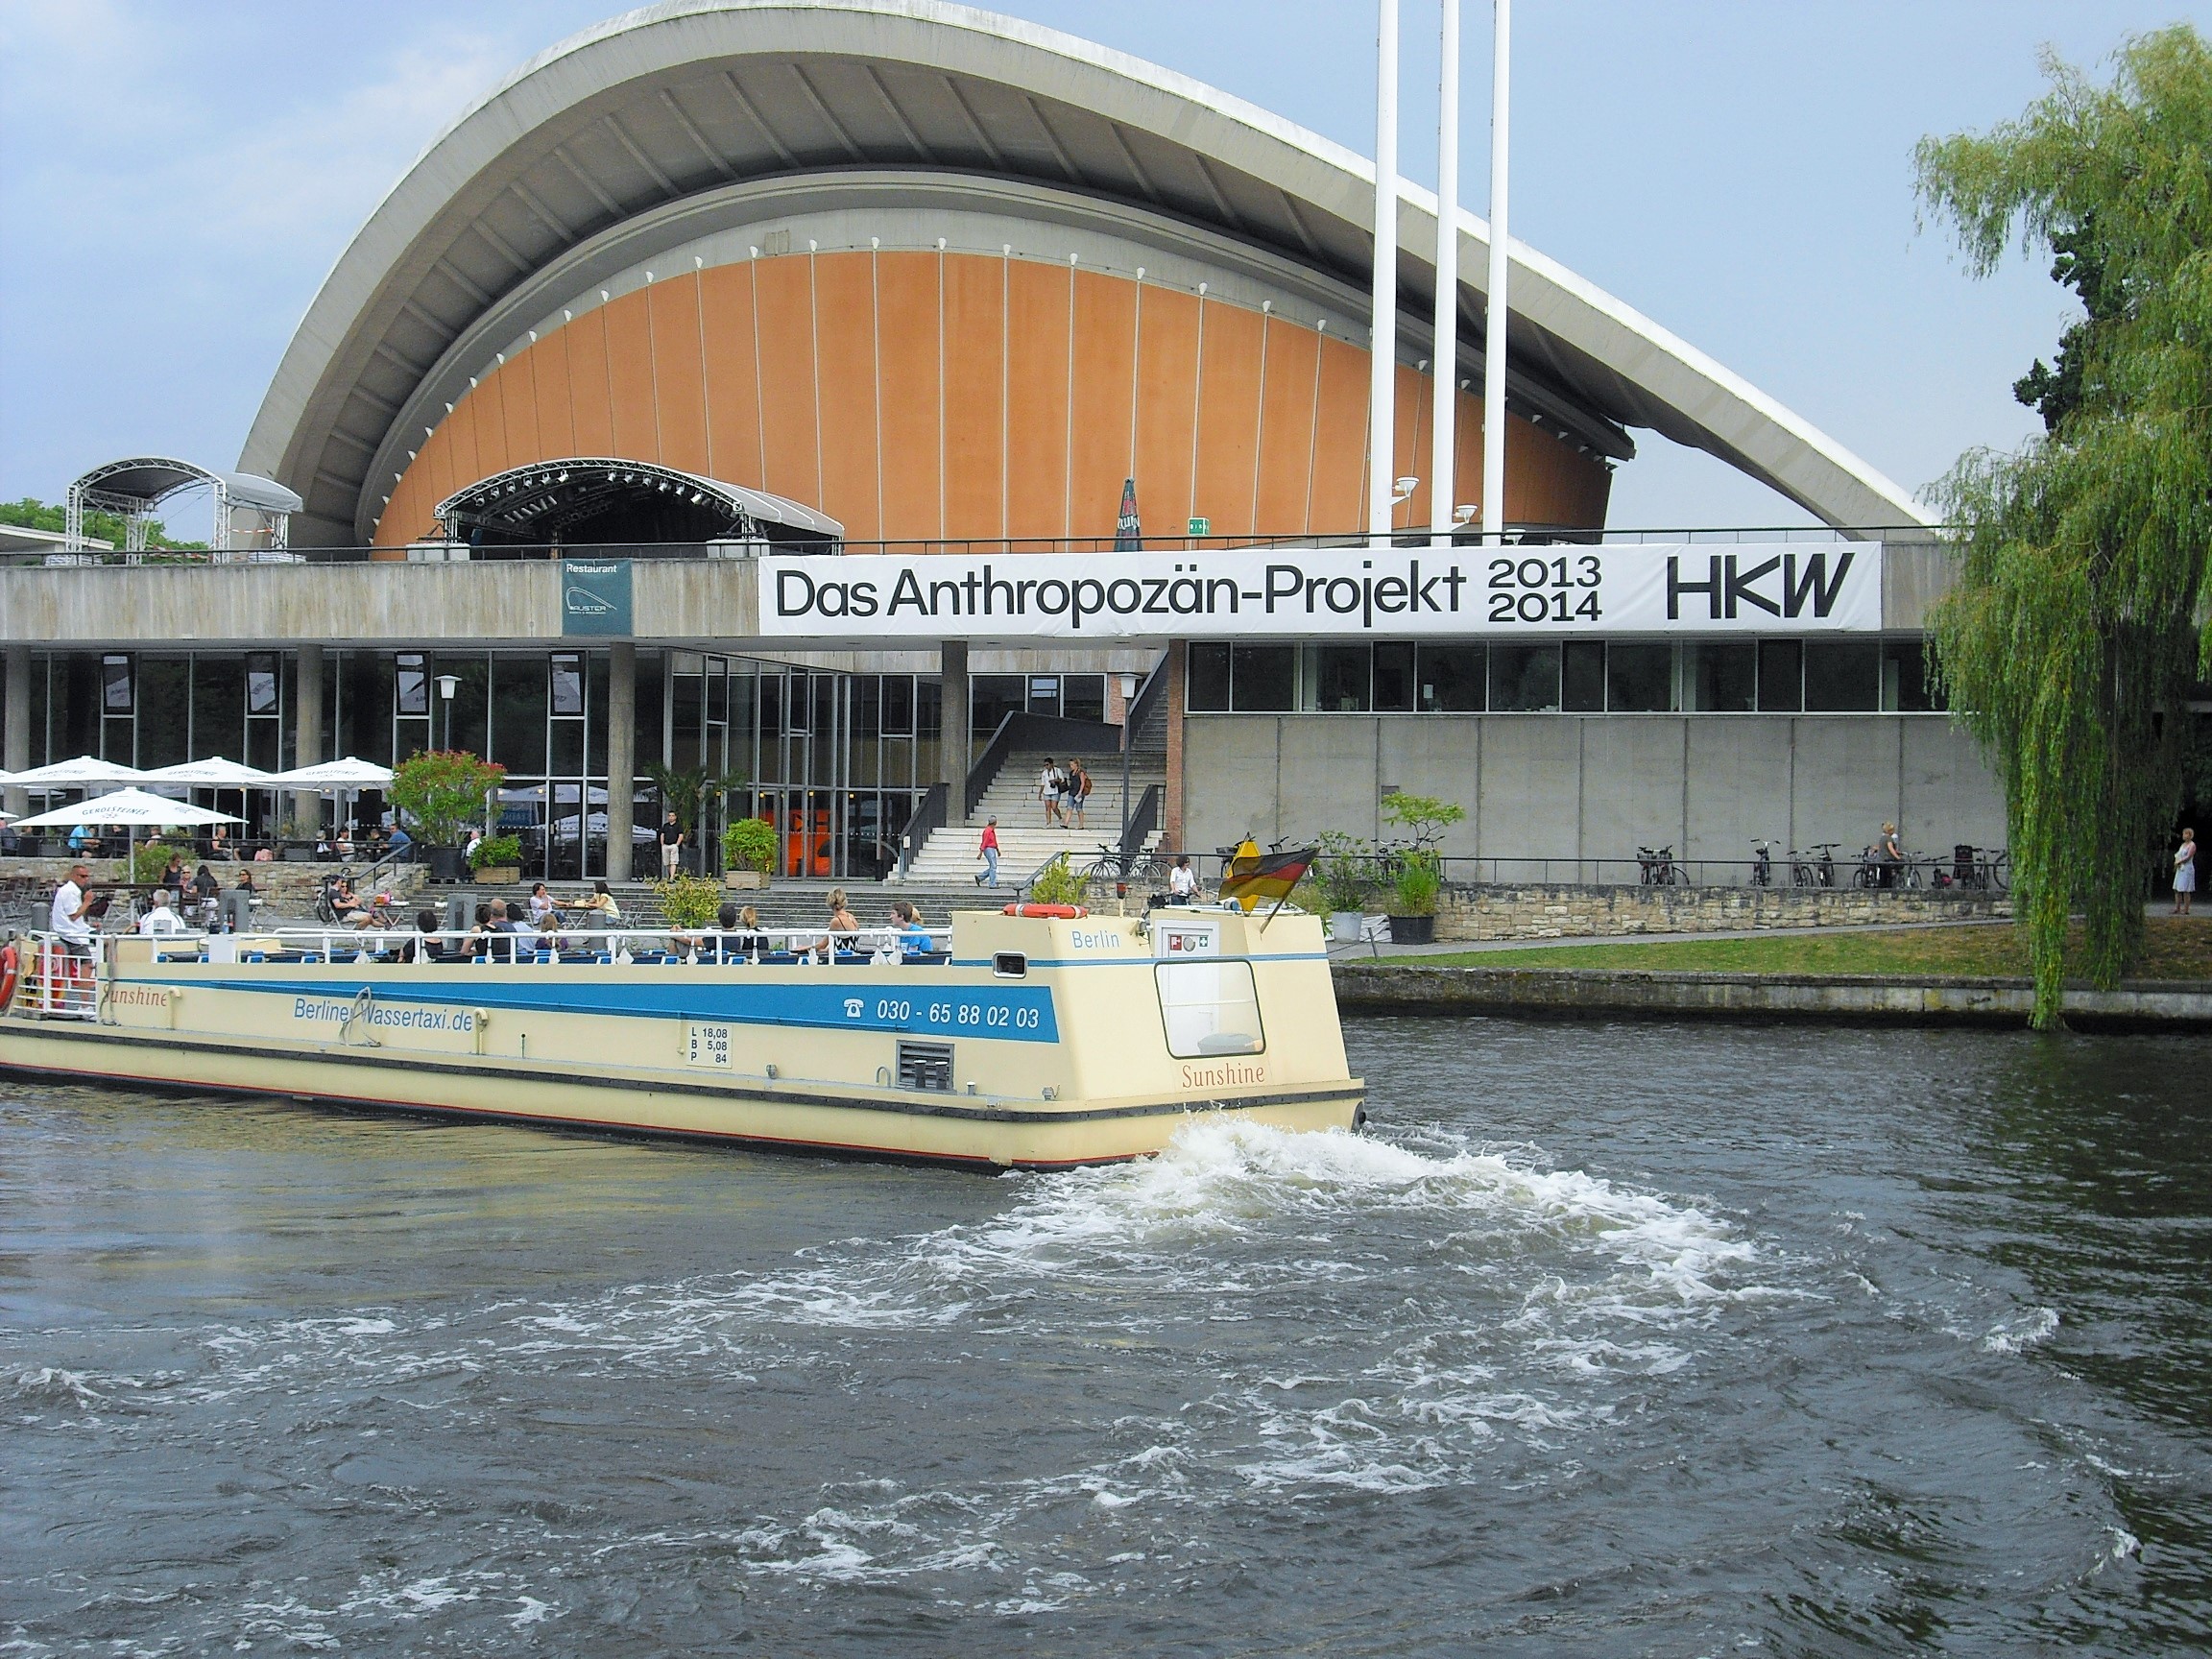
(2077, 625)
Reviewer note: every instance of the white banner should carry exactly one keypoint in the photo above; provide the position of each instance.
(1459, 592)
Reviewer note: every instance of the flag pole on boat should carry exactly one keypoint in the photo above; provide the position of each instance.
(1494, 301)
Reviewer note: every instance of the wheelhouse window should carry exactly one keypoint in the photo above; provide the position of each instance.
(1210, 1006)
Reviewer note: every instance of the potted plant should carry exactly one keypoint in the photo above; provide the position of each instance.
(748, 852)
(1055, 882)
(298, 841)
(498, 859)
(1418, 881)
(1344, 877)
(688, 903)
(444, 791)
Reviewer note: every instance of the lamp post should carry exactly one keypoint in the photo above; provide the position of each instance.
(447, 684)
(1128, 740)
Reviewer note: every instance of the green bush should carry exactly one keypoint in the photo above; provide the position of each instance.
(496, 853)
(1056, 883)
(689, 902)
(149, 861)
(1344, 873)
(749, 844)
(442, 792)
(1425, 818)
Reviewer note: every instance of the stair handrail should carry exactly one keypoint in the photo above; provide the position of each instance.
(1146, 702)
(928, 818)
(1142, 821)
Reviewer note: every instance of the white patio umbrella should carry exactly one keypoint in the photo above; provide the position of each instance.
(213, 772)
(132, 808)
(82, 773)
(331, 776)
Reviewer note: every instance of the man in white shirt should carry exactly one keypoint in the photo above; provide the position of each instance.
(1049, 783)
(161, 918)
(71, 905)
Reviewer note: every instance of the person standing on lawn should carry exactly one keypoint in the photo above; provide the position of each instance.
(2184, 872)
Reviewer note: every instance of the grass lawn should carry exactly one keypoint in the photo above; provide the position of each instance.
(2177, 947)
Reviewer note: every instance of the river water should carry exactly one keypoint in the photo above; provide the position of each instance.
(1628, 1339)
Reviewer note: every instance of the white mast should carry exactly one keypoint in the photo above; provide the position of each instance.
(1494, 302)
(1441, 488)
(1381, 384)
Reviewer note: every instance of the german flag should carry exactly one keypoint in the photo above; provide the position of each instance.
(1253, 876)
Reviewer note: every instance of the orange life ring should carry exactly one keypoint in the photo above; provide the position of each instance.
(1060, 912)
(8, 966)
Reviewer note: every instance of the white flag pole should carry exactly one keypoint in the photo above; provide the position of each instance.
(1381, 383)
(1495, 306)
(1442, 457)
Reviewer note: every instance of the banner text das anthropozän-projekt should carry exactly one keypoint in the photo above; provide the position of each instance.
(1303, 593)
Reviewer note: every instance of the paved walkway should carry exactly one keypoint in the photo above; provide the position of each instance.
(1362, 953)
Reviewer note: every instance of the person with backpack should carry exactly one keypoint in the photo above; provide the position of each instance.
(1078, 789)
(1051, 784)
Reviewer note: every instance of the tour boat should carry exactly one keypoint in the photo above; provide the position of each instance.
(1037, 1037)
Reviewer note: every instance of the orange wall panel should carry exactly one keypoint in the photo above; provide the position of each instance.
(1467, 478)
(518, 400)
(1105, 349)
(1166, 405)
(1410, 437)
(1340, 442)
(1037, 322)
(491, 401)
(975, 381)
(1228, 418)
(587, 338)
(461, 454)
(1286, 427)
(845, 349)
(785, 287)
(630, 378)
(679, 378)
(556, 397)
(731, 385)
(906, 343)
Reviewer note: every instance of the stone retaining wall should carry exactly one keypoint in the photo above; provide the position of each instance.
(289, 886)
(1586, 992)
(1485, 912)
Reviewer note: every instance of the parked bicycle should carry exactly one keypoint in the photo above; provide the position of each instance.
(1763, 864)
(1113, 870)
(1815, 866)
(1658, 869)
(1984, 869)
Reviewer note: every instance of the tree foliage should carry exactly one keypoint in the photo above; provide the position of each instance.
(33, 513)
(2077, 625)
(444, 791)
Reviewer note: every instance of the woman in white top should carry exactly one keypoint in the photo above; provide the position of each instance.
(1183, 880)
(2184, 872)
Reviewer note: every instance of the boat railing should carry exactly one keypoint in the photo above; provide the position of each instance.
(56, 980)
(656, 946)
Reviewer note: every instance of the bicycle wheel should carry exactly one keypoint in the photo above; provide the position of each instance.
(2001, 872)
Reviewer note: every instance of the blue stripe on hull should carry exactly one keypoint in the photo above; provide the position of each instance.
(1009, 1013)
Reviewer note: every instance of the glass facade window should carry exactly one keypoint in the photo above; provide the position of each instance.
(1908, 682)
(1393, 679)
(992, 697)
(1583, 676)
(1337, 678)
(567, 683)
(1721, 677)
(411, 694)
(898, 705)
(1206, 679)
(1452, 677)
(114, 684)
(165, 710)
(1083, 696)
(1640, 677)
(262, 697)
(1264, 679)
(1843, 675)
(1524, 679)
(1781, 676)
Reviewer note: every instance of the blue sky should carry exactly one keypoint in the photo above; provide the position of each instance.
(176, 175)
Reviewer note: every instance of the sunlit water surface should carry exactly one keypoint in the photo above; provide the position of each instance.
(1608, 1339)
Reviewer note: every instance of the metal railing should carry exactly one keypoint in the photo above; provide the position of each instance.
(1988, 871)
(1521, 535)
(1020, 731)
(928, 818)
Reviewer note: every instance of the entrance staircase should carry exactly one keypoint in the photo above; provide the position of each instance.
(1025, 843)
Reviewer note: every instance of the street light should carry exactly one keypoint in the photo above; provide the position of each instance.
(1128, 737)
(447, 684)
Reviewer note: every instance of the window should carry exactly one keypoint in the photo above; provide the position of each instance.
(1524, 679)
(1450, 678)
(115, 685)
(1339, 683)
(1083, 697)
(1781, 676)
(1907, 686)
(1206, 687)
(1640, 678)
(1583, 676)
(898, 705)
(410, 686)
(567, 683)
(261, 696)
(1209, 1007)
(1264, 679)
(1842, 674)
(1722, 679)
(1393, 679)
(993, 697)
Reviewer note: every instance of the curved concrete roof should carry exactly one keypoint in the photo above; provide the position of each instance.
(692, 96)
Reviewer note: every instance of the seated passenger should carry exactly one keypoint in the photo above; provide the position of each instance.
(601, 907)
(843, 926)
(161, 918)
(423, 947)
(749, 940)
(539, 904)
(913, 935)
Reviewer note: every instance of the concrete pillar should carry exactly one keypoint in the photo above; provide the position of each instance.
(308, 726)
(1178, 658)
(16, 748)
(622, 756)
(953, 748)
